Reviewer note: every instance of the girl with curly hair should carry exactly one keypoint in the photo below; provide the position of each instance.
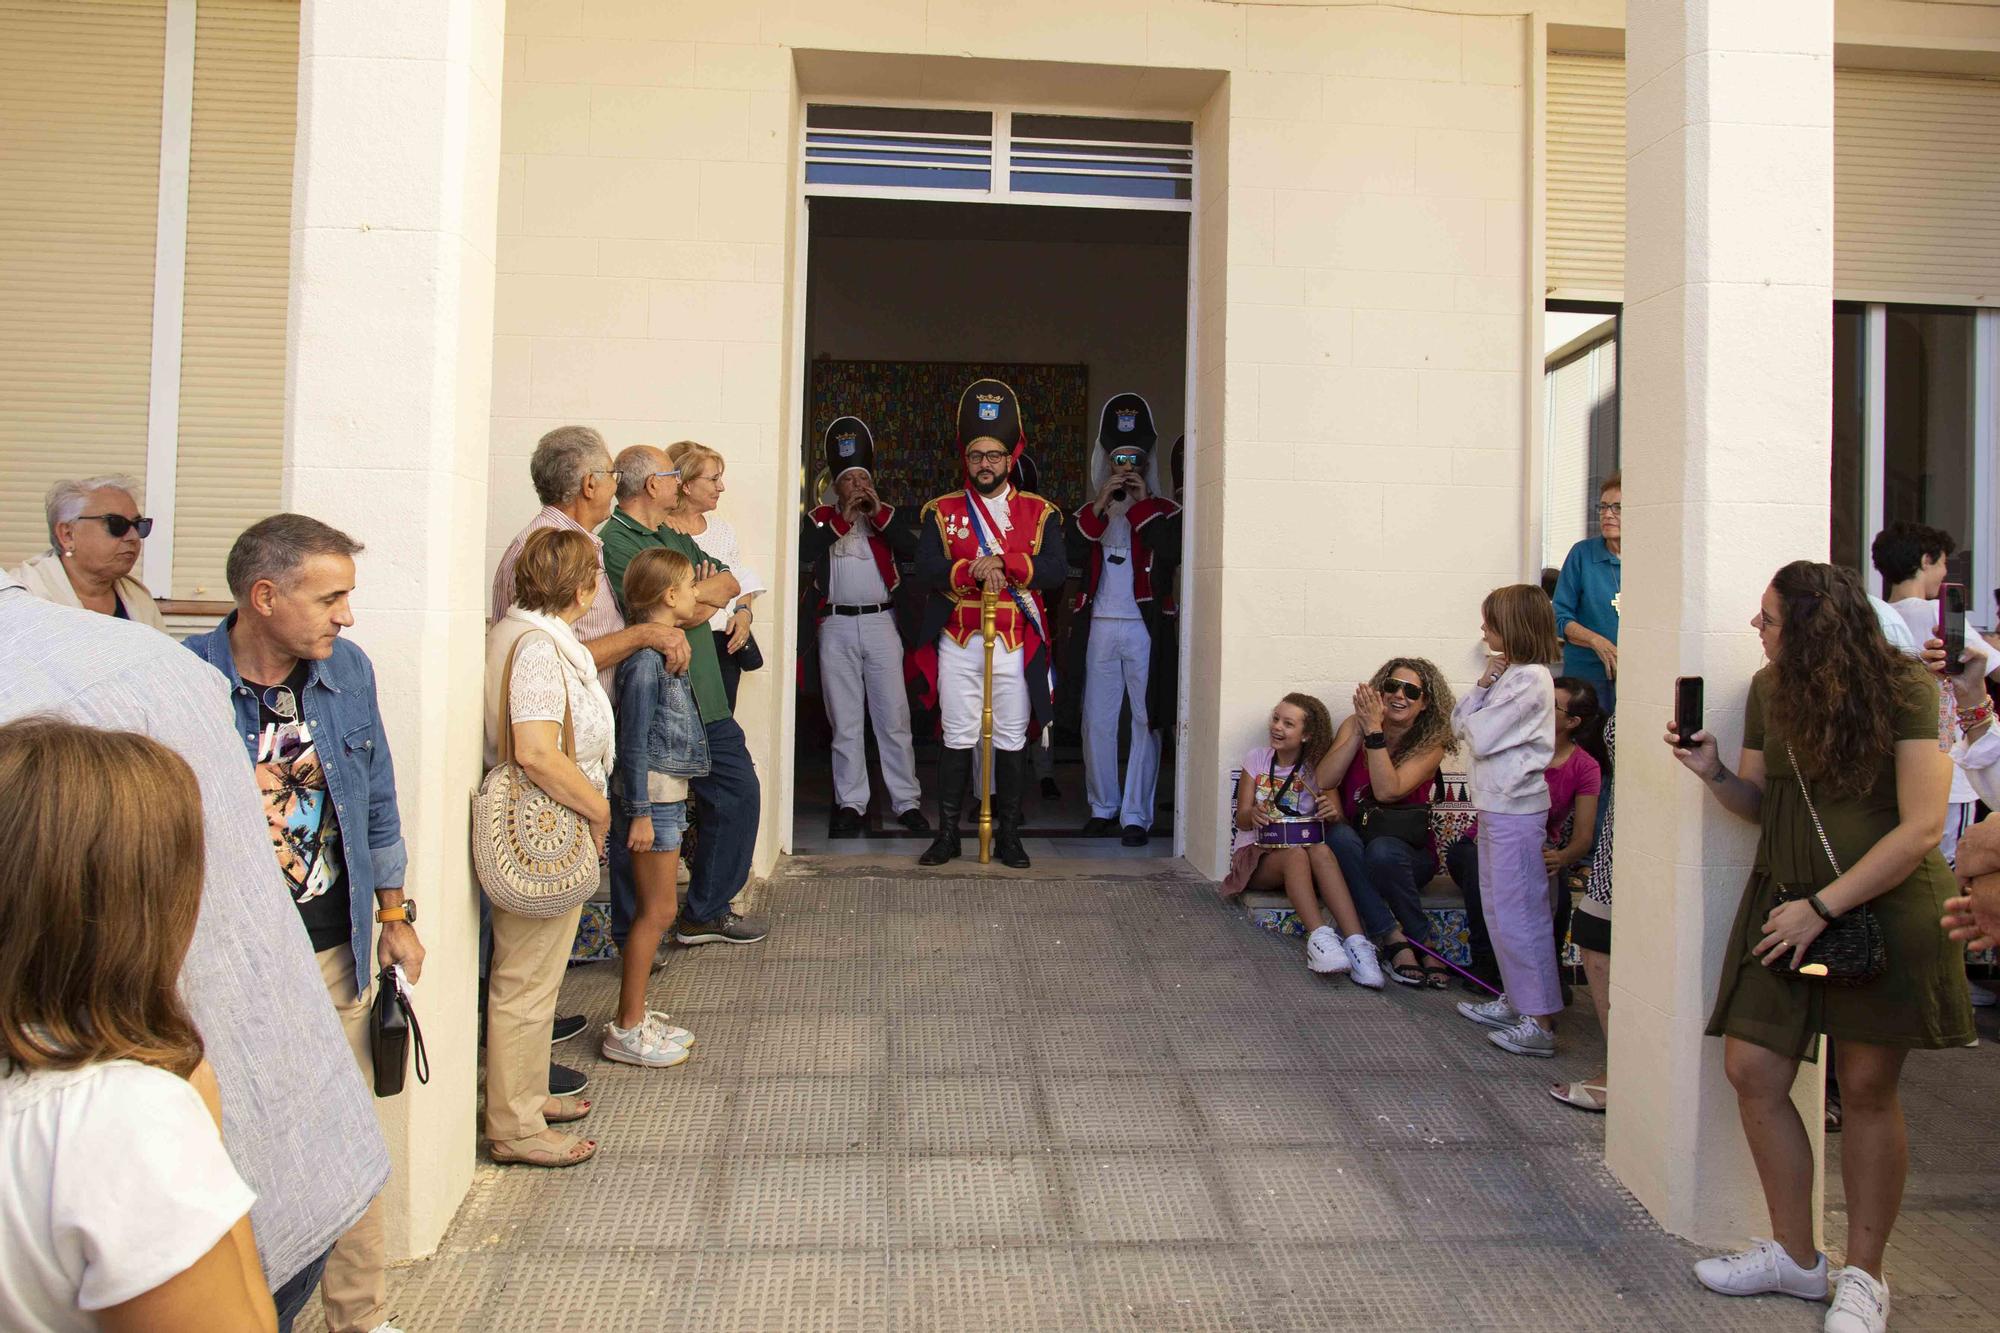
(1288, 783)
(1386, 757)
(1841, 771)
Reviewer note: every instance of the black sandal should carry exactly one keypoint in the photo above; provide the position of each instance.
(1406, 974)
(1436, 975)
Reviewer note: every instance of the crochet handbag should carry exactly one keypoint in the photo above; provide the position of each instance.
(533, 855)
(1851, 951)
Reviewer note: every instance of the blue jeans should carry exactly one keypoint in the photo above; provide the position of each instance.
(1385, 877)
(292, 1297)
(727, 806)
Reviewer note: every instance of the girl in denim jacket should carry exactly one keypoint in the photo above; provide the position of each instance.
(661, 744)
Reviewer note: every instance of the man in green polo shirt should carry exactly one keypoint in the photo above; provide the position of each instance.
(729, 801)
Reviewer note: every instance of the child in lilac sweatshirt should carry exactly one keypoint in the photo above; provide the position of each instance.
(1509, 723)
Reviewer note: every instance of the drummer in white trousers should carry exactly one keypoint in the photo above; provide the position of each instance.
(851, 542)
(1129, 541)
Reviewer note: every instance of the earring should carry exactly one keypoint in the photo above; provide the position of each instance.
(70, 552)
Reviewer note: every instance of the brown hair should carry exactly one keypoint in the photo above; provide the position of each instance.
(101, 859)
(1433, 724)
(1319, 727)
(554, 565)
(1614, 482)
(1524, 619)
(1838, 682)
(695, 461)
(651, 575)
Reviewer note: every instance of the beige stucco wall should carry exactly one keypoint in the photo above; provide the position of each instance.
(1361, 296)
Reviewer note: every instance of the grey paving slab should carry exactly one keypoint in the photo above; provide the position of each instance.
(1107, 1102)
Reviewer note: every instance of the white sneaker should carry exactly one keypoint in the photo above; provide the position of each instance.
(1323, 951)
(1498, 1012)
(641, 1045)
(1764, 1267)
(1367, 967)
(657, 1021)
(1526, 1037)
(1860, 1303)
(385, 1327)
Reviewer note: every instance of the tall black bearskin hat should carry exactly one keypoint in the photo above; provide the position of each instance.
(1027, 476)
(988, 410)
(848, 445)
(1125, 423)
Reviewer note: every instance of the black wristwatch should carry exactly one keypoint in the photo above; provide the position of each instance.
(1375, 740)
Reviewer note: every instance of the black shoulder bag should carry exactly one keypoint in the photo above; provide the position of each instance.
(1851, 951)
(392, 1028)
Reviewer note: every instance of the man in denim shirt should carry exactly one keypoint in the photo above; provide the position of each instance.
(305, 708)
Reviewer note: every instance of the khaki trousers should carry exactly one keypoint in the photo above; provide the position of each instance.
(529, 956)
(354, 1290)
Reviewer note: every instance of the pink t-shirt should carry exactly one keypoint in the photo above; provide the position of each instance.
(1300, 794)
(1577, 776)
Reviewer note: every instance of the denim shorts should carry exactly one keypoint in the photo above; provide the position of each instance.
(669, 822)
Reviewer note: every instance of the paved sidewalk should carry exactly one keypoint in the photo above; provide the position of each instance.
(1105, 1103)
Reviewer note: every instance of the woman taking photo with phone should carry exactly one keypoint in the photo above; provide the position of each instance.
(1841, 770)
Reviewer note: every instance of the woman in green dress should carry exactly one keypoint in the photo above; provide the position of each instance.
(1841, 723)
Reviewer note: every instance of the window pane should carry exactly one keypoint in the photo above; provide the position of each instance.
(1847, 542)
(1097, 127)
(1927, 399)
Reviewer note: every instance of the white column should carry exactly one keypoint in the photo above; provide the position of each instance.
(388, 385)
(1726, 385)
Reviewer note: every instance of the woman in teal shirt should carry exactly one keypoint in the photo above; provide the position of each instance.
(1587, 598)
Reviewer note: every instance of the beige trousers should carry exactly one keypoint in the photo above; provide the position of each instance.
(354, 1290)
(529, 956)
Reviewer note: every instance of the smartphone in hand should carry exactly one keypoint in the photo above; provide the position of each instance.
(1951, 626)
(1687, 709)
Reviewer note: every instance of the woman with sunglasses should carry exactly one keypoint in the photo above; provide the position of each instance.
(1388, 754)
(94, 536)
(1586, 599)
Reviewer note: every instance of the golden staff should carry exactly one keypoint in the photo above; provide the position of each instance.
(989, 607)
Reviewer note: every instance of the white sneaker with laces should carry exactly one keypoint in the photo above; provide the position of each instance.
(1498, 1012)
(641, 1045)
(1764, 1267)
(385, 1327)
(1860, 1304)
(1526, 1037)
(1367, 966)
(657, 1021)
(1323, 951)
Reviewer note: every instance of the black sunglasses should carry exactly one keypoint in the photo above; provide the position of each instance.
(118, 525)
(1403, 687)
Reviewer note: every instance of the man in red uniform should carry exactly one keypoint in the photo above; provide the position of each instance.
(990, 536)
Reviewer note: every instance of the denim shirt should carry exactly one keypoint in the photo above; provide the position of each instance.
(659, 730)
(338, 703)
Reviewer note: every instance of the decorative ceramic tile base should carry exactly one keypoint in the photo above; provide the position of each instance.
(593, 935)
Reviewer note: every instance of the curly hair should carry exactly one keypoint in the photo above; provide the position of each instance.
(1837, 679)
(1319, 727)
(1433, 724)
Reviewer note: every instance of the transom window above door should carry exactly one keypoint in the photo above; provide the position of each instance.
(999, 156)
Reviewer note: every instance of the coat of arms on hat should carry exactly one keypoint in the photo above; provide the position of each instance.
(844, 445)
(989, 411)
(1128, 418)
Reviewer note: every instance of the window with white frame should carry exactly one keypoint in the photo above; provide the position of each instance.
(998, 156)
(1914, 407)
(1580, 421)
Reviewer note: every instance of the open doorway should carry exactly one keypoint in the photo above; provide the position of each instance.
(907, 302)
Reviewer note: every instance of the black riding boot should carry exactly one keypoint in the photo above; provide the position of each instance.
(1010, 780)
(953, 765)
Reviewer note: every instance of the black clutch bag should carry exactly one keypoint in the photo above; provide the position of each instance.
(1851, 951)
(1405, 823)
(749, 657)
(392, 1030)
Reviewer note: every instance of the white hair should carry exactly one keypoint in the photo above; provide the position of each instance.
(66, 499)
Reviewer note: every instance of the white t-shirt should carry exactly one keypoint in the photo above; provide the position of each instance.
(1114, 600)
(1921, 616)
(114, 1180)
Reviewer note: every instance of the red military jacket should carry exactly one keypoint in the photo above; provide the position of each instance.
(1092, 525)
(1032, 521)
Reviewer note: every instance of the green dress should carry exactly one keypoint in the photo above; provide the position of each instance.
(1921, 1001)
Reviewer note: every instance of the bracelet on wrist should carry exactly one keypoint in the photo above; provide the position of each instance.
(1376, 740)
(1825, 914)
(1974, 717)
